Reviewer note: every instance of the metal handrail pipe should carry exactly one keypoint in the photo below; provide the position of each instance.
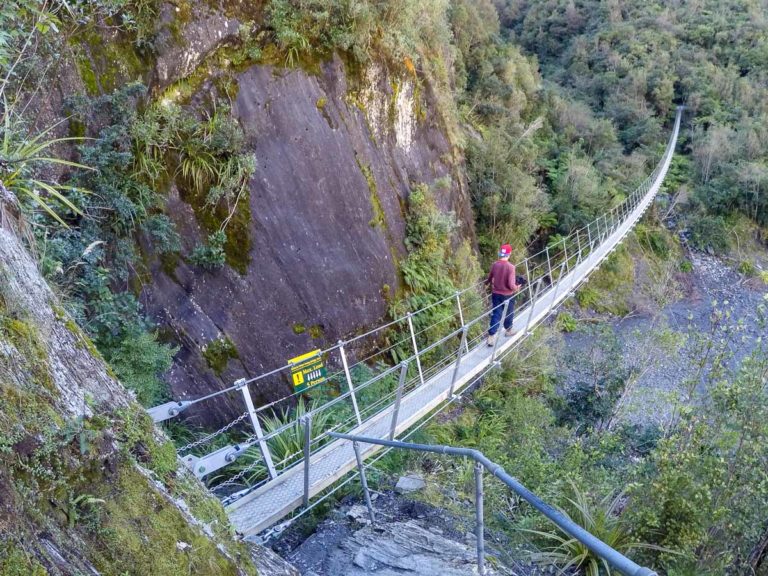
(607, 553)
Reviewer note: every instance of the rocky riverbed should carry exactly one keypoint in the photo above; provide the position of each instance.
(661, 349)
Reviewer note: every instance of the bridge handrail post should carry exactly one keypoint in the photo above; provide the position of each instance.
(461, 312)
(557, 286)
(350, 385)
(364, 481)
(533, 306)
(462, 346)
(565, 252)
(415, 347)
(610, 555)
(479, 515)
(501, 326)
(578, 247)
(263, 446)
(527, 278)
(307, 421)
(549, 263)
(398, 399)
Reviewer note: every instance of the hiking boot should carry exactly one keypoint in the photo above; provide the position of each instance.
(510, 332)
(491, 340)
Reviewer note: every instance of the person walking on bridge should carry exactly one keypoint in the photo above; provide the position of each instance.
(504, 286)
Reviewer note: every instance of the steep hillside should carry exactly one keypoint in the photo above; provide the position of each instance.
(86, 484)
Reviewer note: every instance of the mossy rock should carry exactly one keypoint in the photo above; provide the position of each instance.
(218, 354)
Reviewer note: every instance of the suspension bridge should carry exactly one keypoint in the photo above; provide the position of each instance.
(387, 382)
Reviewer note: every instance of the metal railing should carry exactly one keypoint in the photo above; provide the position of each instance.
(366, 383)
(613, 557)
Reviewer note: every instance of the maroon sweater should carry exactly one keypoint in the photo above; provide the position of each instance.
(502, 278)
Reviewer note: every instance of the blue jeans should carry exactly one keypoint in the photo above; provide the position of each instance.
(497, 301)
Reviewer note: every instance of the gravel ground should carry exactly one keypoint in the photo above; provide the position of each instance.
(711, 285)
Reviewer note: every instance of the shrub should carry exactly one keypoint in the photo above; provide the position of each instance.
(653, 239)
(747, 268)
(566, 322)
(211, 256)
(138, 361)
(709, 232)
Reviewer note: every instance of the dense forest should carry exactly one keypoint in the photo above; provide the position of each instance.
(554, 110)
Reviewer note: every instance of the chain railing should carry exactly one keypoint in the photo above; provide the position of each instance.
(367, 383)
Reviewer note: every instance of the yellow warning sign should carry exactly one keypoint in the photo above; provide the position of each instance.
(307, 370)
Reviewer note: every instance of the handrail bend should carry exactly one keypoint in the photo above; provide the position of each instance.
(613, 557)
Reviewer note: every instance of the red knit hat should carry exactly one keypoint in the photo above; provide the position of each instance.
(505, 250)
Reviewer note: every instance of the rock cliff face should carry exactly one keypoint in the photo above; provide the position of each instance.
(86, 485)
(337, 154)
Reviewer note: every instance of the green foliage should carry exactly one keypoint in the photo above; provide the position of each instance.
(602, 519)
(599, 376)
(138, 361)
(566, 322)
(208, 154)
(96, 260)
(709, 232)
(302, 27)
(747, 268)
(432, 271)
(285, 448)
(653, 239)
(23, 156)
(706, 481)
(610, 288)
(14, 561)
(210, 256)
(632, 82)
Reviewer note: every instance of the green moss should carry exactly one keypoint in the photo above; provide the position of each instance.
(84, 342)
(105, 61)
(321, 103)
(299, 328)
(140, 533)
(24, 336)
(379, 219)
(169, 261)
(218, 354)
(316, 331)
(136, 432)
(14, 561)
(237, 248)
(392, 110)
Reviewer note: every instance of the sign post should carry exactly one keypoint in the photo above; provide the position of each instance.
(307, 370)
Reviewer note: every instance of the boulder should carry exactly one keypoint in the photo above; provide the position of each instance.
(410, 483)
